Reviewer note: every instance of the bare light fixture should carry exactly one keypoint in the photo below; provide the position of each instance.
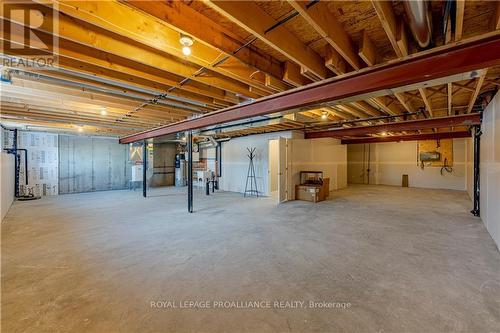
(186, 43)
(324, 115)
(104, 112)
(80, 128)
(383, 133)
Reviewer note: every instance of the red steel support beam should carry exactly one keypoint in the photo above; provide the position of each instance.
(444, 61)
(415, 137)
(411, 125)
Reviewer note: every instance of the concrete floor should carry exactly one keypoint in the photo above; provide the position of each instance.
(407, 260)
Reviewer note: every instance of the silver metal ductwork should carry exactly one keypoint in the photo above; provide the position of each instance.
(209, 142)
(419, 20)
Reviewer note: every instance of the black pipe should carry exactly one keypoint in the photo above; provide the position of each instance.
(207, 187)
(17, 162)
(16, 165)
(218, 153)
(190, 171)
(25, 164)
(144, 168)
(477, 147)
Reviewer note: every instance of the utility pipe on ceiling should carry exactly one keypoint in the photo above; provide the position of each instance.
(419, 20)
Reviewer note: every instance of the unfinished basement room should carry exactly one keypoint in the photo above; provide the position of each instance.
(199, 166)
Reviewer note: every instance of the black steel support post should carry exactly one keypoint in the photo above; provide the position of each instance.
(477, 148)
(190, 171)
(144, 168)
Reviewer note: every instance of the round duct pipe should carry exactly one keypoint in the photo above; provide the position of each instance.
(419, 20)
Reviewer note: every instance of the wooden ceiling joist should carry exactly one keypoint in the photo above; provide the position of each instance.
(80, 58)
(44, 90)
(181, 17)
(426, 100)
(442, 62)
(367, 108)
(327, 26)
(334, 61)
(96, 84)
(479, 85)
(25, 102)
(459, 19)
(122, 19)
(291, 75)
(91, 36)
(125, 56)
(253, 19)
(389, 22)
(411, 125)
(367, 50)
(410, 137)
(496, 17)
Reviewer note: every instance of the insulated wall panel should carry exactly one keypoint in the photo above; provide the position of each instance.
(43, 163)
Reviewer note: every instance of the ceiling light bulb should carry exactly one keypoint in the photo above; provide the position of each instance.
(383, 133)
(104, 112)
(186, 50)
(324, 115)
(80, 128)
(183, 138)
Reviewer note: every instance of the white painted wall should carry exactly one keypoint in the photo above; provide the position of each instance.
(235, 161)
(6, 182)
(389, 161)
(273, 165)
(490, 169)
(326, 155)
(6, 175)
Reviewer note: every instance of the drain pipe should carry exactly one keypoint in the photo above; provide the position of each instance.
(17, 162)
(477, 146)
(420, 21)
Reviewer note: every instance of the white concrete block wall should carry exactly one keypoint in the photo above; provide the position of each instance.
(490, 169)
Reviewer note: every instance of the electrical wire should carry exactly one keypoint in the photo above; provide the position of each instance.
(446, 167)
